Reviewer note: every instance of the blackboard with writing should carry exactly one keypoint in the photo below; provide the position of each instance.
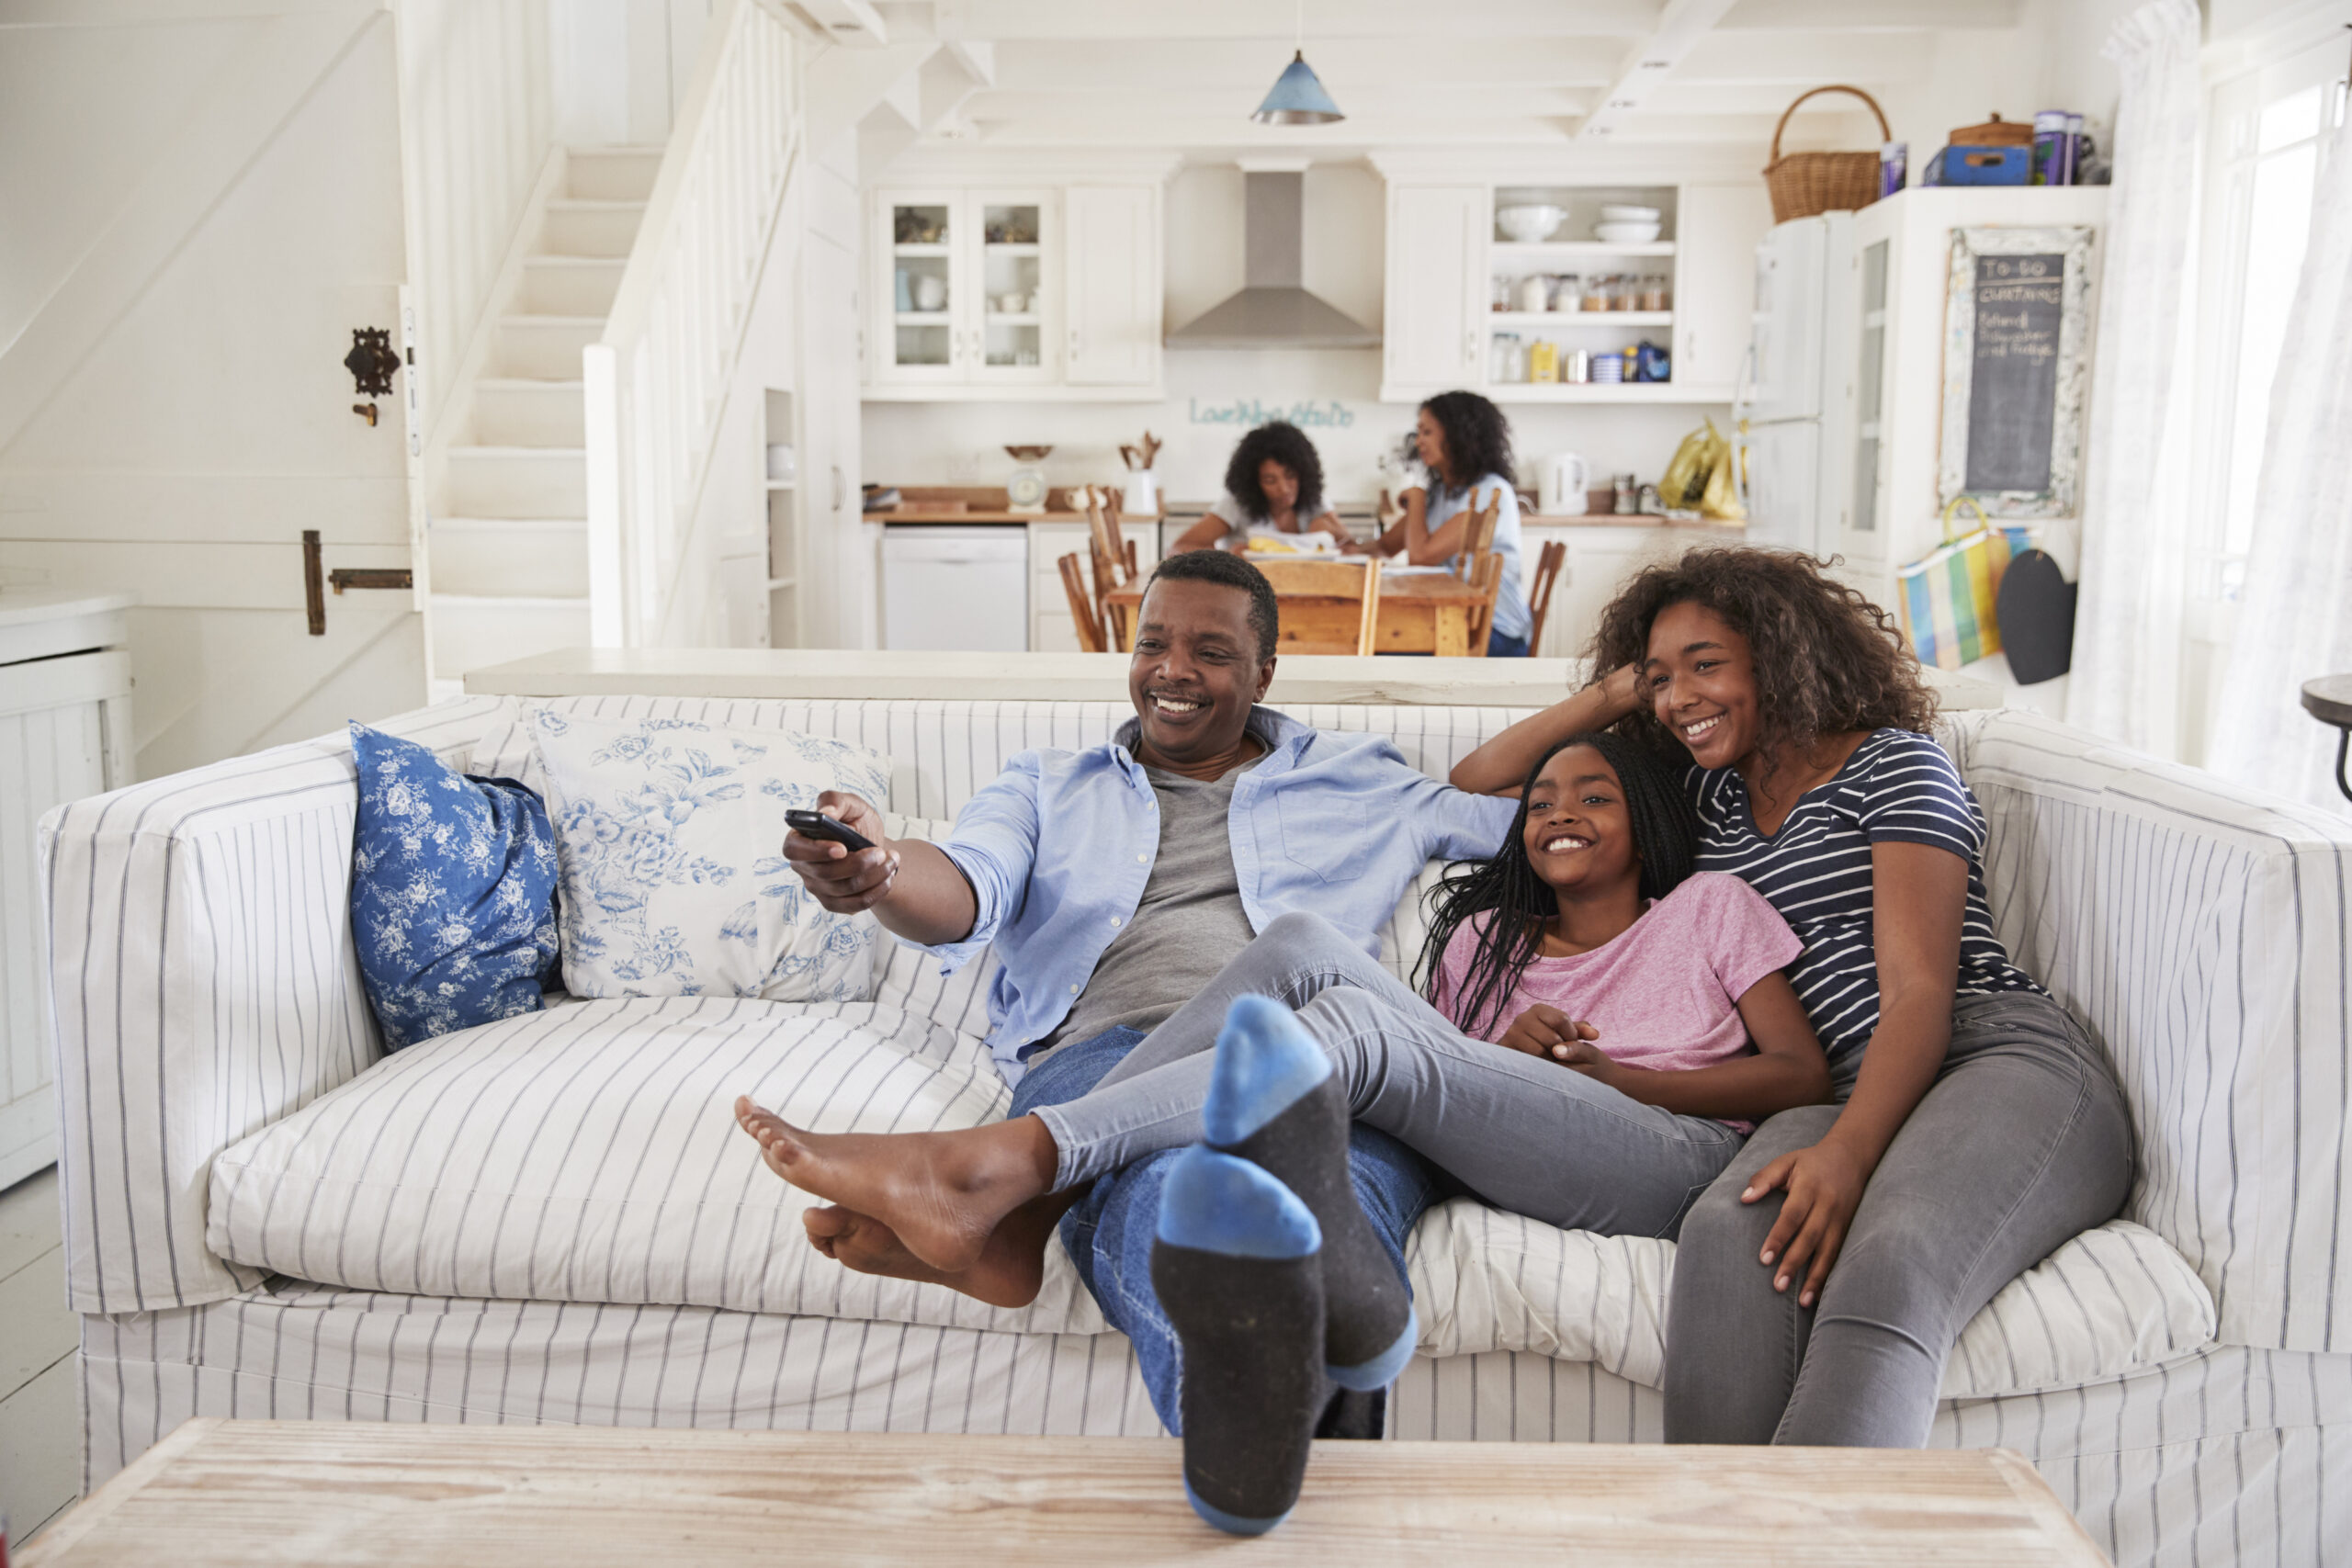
(2013, 384)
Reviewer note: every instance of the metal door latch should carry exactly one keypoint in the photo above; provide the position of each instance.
(371, 363)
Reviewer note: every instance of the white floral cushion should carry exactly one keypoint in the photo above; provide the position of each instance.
(670, 834)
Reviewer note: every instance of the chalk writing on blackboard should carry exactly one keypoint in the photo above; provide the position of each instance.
(2013, 385)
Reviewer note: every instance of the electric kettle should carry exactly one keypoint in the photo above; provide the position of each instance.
(1563, 485)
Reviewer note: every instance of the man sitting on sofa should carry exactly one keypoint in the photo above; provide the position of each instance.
(1115, 884)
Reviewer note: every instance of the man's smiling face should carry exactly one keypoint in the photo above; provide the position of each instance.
(1196, 673)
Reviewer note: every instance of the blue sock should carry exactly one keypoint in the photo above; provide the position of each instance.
(1235, 1267)
(1275, 1100)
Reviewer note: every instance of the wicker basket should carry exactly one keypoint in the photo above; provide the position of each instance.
(1805, 184)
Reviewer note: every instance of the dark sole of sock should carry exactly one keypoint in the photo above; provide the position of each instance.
(1231, 1524)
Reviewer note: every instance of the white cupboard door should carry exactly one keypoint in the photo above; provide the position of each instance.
(1112, 285)
(1014, 297)
(922, 322)
(1717, 228)
(174, 412)
(1437, 260)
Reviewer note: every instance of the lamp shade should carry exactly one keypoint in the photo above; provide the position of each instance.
(1298, 99)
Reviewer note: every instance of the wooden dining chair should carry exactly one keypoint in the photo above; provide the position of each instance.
(1538, 593)
(1327, 606)
(1487, 580)
(1479, 542)
(1082, 611)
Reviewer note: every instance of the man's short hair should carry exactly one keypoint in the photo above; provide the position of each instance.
(1229, 570)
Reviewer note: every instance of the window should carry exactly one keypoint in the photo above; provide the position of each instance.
(2266, 136)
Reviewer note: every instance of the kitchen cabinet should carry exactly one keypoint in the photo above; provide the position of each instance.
(1448, 264)
(970, 291)
(1051, 631)
(1433, 336)
(1041, 292)
(1114, 289)
(1600, 557)
(1717, 228)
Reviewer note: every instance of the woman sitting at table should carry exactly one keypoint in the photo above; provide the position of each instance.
(1274, 491)
(1465, 443)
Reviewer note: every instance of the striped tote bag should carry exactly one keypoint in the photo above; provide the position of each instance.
(1946, 595)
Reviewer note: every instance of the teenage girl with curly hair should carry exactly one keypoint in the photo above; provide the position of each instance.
(1824, 1276)
(1273, 489)
(1465, 443)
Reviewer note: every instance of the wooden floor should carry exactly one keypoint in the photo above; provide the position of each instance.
(41, 1427)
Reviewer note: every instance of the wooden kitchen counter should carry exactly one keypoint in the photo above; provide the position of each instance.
(984, 503)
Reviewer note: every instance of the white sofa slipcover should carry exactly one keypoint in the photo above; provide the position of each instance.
(206, 1003)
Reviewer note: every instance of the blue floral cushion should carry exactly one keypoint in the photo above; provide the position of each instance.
(452, 892)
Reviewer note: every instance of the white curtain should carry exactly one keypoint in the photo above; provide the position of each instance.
(2136, 522)
(2294, 617)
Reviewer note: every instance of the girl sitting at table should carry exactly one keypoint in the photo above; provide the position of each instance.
(1274, 493)
(1465, 443)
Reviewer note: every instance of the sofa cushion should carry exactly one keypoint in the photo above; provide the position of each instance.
(670, 834)
(587, 1153)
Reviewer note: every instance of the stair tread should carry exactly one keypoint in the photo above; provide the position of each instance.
(507, 601)
(468, 524)
(565, 258)
(525, 383)
(596, 203)
(512, 451)
(540, 318)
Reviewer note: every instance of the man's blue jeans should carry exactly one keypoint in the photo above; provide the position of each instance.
(1109, 1231)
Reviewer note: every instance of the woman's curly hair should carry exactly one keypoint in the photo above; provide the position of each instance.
(1826, 658)
(1478, 439)
(1287, 445)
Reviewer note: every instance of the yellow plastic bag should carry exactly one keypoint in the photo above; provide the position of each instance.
(1700, 476)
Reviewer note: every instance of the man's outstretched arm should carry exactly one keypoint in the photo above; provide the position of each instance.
(911, 887)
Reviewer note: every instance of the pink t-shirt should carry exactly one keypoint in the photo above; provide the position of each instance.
(1665, 993)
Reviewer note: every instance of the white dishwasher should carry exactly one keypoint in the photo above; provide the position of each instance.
(956, 588)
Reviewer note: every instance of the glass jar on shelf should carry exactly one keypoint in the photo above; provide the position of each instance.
(1624, 292)
(1595, 296)
(1506, 362)
(1567, 291)
(1656, 296)
(1502, 293)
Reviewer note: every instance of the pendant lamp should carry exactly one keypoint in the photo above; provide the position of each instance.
(1298, 98)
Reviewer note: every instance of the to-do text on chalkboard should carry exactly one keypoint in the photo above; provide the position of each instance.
(2013, 385)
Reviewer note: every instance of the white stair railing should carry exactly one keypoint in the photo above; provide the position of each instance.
(655, 384)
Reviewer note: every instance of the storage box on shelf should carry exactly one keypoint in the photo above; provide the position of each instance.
(1030, 292)
(1458, 281)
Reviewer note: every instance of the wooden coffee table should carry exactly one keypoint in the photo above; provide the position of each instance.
(270, 1492)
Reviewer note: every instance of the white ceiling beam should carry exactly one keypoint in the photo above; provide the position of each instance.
(1807, 59)
(1249, 65)
(1326, 19)
(1439, 101)
(1680, 28)
(1876, 16)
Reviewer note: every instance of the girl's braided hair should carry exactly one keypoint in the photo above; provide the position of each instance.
(1517, 903)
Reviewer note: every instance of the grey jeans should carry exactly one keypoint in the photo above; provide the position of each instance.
(1522, 1133)
(2021, 1143)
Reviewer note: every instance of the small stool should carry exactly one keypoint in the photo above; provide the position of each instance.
(2329, 700)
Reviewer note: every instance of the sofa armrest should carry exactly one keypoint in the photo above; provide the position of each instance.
(2200, 929)
(202, 985)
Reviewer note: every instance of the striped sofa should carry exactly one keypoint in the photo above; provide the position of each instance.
(551, 1219)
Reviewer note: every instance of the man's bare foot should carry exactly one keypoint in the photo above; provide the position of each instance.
(941, 1194)
(1012, 1267)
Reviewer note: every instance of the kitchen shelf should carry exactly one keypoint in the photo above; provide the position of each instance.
(1604, 393)
(783, 484)
(1014, 319)
(1567, 250)
(1563, 319)
(940, 251)
(777, 584)
(924, 318)
(1013, 247)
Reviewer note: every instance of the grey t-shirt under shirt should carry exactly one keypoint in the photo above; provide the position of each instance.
(1190, 924)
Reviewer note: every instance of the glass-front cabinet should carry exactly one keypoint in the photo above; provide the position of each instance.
(973, 294)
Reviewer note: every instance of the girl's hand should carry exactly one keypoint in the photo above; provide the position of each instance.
(1546, 1032)
(1825, 1186)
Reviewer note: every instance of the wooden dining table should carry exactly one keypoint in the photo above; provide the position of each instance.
(1421, 612)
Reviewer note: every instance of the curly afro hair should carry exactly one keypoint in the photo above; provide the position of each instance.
(1287, 445)
(1827, 659)
(1477, 438)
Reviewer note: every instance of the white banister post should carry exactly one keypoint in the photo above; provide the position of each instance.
(608, 618)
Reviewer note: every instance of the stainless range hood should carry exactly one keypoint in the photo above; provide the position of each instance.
(1273, 311)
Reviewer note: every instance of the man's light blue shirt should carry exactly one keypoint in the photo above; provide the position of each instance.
(1059, 847)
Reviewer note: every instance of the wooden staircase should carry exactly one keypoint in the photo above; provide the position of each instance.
(509, 532)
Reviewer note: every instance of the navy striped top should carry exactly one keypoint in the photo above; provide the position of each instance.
(1897, 787)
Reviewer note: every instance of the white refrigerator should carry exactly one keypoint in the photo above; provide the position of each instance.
(1798, 401)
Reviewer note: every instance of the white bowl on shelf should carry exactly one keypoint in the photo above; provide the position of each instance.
(1627, 233)
(1529, 223)
(1629, 215)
